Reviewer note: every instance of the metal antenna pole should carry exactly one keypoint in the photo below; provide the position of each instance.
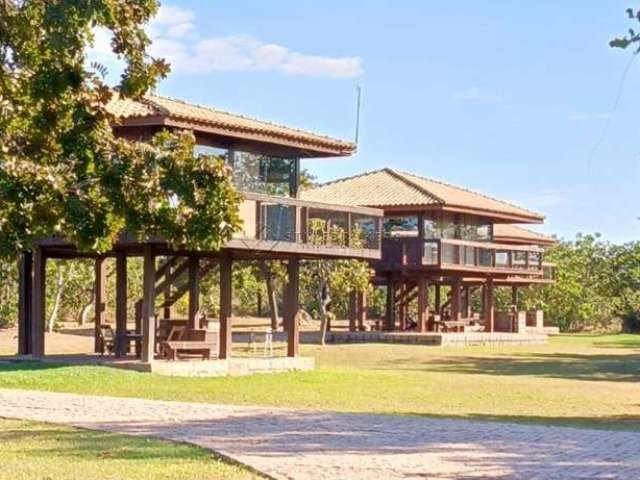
(359, 98)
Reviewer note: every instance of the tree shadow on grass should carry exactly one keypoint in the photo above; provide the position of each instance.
(11, 364)
(571, 366)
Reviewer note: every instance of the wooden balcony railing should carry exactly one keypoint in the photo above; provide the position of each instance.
(462, 255)
(311, 224)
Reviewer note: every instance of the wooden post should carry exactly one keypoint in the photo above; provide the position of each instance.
(438, 300)
(402, 310)
(293, 287)
(423, 303)
(226, 293)
(391, 308)
(121, 303)
(467, 303)
(100, 301)
(361, 309)
(194, 291)
(514, 296)
(38, 302)
(456, 299)
(489, 311)
(25, 272)
(352, 310)
(148, 304)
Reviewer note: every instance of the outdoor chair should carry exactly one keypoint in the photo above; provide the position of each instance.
(266, 337)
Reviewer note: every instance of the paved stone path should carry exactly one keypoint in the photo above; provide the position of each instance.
(299, 444)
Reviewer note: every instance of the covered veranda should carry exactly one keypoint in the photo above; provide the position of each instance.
(145, 341)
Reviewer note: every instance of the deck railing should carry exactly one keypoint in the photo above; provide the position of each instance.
(283, 219)
(453, 254)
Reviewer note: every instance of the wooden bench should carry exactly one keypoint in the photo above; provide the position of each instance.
(183, 340)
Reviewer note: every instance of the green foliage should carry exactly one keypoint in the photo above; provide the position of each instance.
(597, 284)
(632, 36)
(62, 172)
(8, 293)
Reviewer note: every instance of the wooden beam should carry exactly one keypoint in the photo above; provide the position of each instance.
(456, 299)
(38, 299)
(438, 299)
(361, 309)
(121, 303)
(167, 311)
(293, 294)
(391, 306)
(352, 310)
(100, 301)
(194, 291)
(489, 309)
(514, 296)
(25, 272)
(423, 304)
(148, 304)
(226, 294)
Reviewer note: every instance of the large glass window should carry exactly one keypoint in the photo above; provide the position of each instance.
(395, 227)
(266, 174)
(462, 227)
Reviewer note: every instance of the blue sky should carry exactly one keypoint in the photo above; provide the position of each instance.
(505, 97)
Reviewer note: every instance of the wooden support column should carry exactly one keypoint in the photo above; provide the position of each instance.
(466, 301)
(226, 296)
(489, 310)
(361, 309)
(402, 310)
(292, 298)
(423, 304)
(38, 302)
(391, 307)
(437, 300)
(100, 301)
(514, 296)
(194, 291)
(148, 304)
(353, 309)
(121, 304)
(456, 300)
(25, 272)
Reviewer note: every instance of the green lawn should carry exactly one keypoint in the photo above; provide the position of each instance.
(36, 451)
(580, 380)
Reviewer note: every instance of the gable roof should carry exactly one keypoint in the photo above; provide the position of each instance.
(157, 110)
(392, 189)
(507, 233)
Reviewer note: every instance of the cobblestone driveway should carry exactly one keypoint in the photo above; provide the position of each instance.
(298, 444)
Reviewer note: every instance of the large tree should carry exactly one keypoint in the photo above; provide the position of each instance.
(62, 171)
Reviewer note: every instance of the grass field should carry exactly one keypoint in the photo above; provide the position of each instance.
(36, 451)
(579, 380)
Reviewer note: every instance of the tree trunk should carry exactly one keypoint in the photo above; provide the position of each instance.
(324, 298)
(58, 301)
(271, 293)
(83, 316)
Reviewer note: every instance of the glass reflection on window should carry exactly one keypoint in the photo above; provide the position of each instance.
(257, 173)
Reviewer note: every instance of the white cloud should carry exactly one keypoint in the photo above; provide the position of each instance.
(586, 116)
(477, 95)
(173, 39)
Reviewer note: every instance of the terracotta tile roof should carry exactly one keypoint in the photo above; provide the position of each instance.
(391, 188)
(177, 110)
(503, 232)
